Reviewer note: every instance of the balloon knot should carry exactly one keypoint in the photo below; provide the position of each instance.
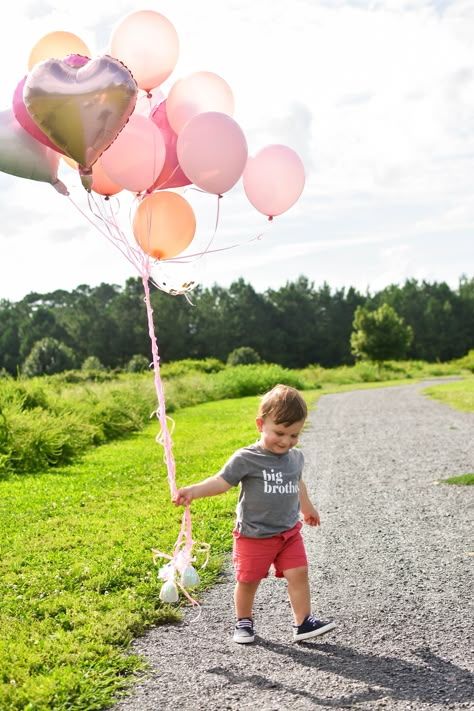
(220, 196)
(270, 218)
(149, 95)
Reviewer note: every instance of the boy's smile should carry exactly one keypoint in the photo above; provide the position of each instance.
(278, 438)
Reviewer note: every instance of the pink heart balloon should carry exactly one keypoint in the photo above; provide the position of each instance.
(81, 109)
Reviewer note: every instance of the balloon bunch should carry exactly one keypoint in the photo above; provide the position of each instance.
(108, 118)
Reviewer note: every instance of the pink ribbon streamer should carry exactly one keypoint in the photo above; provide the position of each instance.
(106, 223)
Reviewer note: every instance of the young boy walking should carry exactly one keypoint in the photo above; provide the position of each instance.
(268, 528)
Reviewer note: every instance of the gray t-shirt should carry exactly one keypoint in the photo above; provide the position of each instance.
(269, 489)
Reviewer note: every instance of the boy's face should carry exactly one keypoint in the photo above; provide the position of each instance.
(278, 438)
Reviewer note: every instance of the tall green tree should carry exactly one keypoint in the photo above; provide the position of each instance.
(380, 335)
(292, 338)
(48, 356)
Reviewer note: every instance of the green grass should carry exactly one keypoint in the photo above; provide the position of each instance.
(77, 578)
(462, 480)
(459, 394)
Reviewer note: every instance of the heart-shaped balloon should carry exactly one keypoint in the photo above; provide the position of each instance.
(81, 109)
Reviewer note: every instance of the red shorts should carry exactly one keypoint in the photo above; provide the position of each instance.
(253, 557)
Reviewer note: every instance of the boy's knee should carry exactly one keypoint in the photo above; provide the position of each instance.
(299, 574)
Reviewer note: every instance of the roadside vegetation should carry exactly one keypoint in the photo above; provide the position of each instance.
(85, 498)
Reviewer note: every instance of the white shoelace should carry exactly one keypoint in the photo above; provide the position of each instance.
(244, 623)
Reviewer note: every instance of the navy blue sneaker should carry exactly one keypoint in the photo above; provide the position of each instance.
(243, 631)
(311, 627)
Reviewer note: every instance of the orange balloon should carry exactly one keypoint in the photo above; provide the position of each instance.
(57, 45)
(71, 163)
(101, 183)
(164, 224)
(147, 43)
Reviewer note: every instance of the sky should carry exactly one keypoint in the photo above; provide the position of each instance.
(376, 97)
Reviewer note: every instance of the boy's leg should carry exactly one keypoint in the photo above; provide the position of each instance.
(299, 592)
(306, 625)
(244, 595)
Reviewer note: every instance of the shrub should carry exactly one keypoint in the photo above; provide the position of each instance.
(188, 366)
(92, 363)
(138, 364)
(245, 380)
(82, 376)
(34, 440)
(243, 356)
(467, 361)
(48, 356)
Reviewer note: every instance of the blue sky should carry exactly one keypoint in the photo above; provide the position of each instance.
(376, 97)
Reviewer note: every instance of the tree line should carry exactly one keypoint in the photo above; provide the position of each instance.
(295, 326)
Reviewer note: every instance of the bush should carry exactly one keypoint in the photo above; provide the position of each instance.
(45, 422)
(467, 361)
(188, 366)
(138, 364)
(92, 363)
(239, 381)
(48, 356)
(82, 376)
(245, 380)
(243, 356)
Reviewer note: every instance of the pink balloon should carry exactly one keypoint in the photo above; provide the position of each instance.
(195, 94)
(148, 101)
(136, 157)
(76, 60)
(171, 175)
(26, 122)
(274, 179)
(147, 43)
(212, 150)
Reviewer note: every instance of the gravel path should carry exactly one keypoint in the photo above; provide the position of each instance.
(392, 563)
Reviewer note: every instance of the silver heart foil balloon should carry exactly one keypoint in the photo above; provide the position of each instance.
(81, 109)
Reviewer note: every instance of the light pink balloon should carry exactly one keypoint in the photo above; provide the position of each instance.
(274, 179)
(148, 101)
(171, 175)
(195, 94)
(26, 122)
(147, 43)
(136, 157)
(212, 150)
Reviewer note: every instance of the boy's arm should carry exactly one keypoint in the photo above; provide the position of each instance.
(310, 515)
(212, 486)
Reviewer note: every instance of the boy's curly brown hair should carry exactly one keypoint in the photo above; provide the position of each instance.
(284, 404)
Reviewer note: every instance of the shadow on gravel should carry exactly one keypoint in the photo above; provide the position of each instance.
(433, 680)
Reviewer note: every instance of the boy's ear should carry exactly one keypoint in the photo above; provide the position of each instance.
(259, 423)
